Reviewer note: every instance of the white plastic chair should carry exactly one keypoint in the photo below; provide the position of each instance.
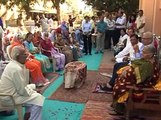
(13, 106)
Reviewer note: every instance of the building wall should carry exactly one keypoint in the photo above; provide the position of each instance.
(157, 18)
(152, 12)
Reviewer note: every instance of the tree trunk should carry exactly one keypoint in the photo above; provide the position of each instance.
(58, 12)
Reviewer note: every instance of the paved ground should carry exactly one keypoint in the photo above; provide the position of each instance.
(97, 110)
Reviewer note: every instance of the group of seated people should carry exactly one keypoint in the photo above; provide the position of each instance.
(30, 59)
(136, 64)
(41, 50)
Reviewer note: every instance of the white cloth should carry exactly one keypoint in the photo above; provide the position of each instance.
(128, 50)
(121, 20)
(110, 24)
(139, 21)
(14, 80)
(123, 38)
(51, 23)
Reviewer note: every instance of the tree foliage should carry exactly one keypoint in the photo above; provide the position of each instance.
(26, 4)
(129, 6)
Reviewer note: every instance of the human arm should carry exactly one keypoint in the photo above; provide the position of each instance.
(19, 83)
(120, 21)
(141, 26)
(124, 52)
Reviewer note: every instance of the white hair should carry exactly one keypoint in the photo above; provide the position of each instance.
(18, 36)
(15, 51)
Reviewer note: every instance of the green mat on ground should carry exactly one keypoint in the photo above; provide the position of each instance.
(58, 110)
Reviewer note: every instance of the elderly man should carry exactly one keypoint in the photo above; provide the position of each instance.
(15, 79)
(147, 39)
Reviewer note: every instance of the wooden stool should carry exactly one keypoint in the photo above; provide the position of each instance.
(75, 74)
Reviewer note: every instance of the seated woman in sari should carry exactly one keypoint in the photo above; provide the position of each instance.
(142, 73)
(74, 45)
(49, 50)
(46, 65)
(65, 49)
(37, 39)
(31, 63)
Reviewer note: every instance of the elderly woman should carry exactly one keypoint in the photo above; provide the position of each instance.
(75, 47)
(65, 49)
(64, 30)
(46, 65)
(15, 81)
(37, 39)
(143, 72)
(31, 63)
(49, 50)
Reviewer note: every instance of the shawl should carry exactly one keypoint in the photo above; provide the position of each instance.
(143, 70)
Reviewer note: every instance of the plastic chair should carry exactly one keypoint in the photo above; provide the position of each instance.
(13, 106)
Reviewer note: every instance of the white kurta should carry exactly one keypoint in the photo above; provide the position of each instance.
(13, 81)
(128, 50)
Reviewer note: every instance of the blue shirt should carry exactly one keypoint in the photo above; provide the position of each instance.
(86, 27)
(101, 27)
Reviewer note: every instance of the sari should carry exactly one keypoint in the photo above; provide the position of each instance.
(65, 49)
(149, 74)
(36, 40)
(74, 46)
(33, 65)
(49, 50)
(46, 65)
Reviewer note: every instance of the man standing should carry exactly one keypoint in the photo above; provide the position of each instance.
(119, 24)
(15, 79)
(140, 23)
(87, 28)
(101, 29)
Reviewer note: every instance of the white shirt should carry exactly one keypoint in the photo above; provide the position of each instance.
(129, 50)
(111, 24)
(139, 21)
(51, 23)
(121, 20)
(14, 80)
(123, 38)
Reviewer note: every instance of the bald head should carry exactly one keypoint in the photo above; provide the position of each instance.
(18, 54)
(147, 38)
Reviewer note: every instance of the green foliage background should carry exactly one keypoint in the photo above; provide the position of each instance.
(129, 6)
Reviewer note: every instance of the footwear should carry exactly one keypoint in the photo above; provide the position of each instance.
(7, 113)
(85, 54)
(107, 75)
(96, 52)
(46, 83)
(116, 113)
(110, 108)
(101, 52)
(39, 85)
(90, 54)
(105, 88)
(27, 116)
